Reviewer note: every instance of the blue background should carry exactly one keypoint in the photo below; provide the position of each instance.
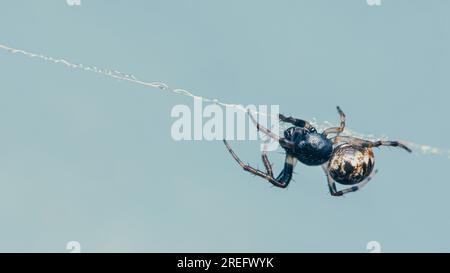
(84, 157)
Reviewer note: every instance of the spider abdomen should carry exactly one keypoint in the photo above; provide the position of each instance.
(351, 164)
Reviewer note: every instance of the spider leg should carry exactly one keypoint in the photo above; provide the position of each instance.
(285, 143)
(370, 144)
(263, 129)
(357, 186)
(296, 122)
(267, 164)
(283, 179)
(336, 130)
(332, 184)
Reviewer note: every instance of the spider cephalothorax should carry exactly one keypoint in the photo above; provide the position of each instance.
(310, 148)
(346, 160)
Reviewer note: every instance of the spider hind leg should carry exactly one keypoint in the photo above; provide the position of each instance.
(371, 144)
(332, 183)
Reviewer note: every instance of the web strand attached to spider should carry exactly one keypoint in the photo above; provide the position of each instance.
(115, 74)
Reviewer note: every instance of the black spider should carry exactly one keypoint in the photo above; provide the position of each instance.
(346, 160)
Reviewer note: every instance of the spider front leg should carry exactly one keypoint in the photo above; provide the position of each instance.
(263, 129)
(336, 130)
(283, 179)
(297, 122)
(332, 183)
(285, 143)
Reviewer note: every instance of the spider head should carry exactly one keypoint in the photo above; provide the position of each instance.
(290, 132)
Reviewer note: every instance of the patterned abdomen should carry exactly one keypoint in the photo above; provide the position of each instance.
(350, 164)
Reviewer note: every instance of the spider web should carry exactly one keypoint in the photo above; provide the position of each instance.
(115, 74)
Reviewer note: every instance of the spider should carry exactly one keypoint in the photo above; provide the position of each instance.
(346, 160)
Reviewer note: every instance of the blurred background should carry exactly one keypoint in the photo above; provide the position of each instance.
(87, 158)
